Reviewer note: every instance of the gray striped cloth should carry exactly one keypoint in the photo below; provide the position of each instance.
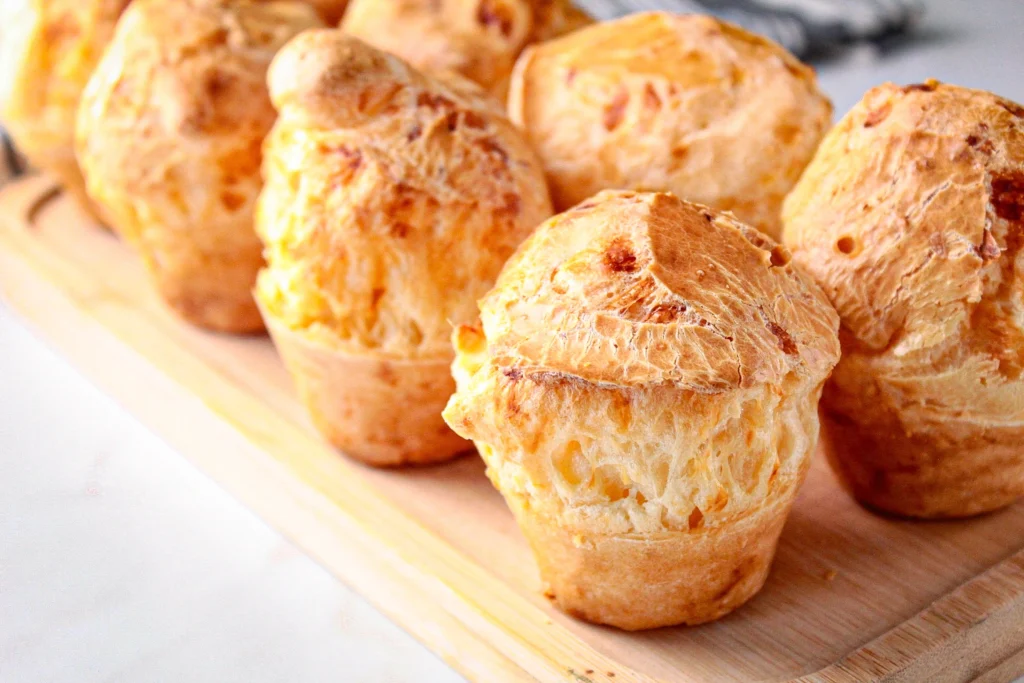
(804, 27)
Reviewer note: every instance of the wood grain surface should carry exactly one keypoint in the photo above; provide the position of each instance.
(852, 597)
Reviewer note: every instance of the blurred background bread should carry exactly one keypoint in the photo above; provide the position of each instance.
(392, 200)
(330, 11)
(643, 387)
(479, 39)
(48, 50)
(910, 218)
(685, 104)
(169, 135)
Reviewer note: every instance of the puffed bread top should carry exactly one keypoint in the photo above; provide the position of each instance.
(172, 122)
(643, 289)
(686, 104)
(479, 39)
(909, 218)
(392, 198)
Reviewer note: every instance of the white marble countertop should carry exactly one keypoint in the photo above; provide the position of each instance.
(119, 562)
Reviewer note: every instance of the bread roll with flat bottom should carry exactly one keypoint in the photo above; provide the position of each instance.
(392, 199)
(911, 218)
(643, 386)
(48, 50)
(169, 134)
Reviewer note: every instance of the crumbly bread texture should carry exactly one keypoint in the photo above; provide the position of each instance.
(169, 135)
(643, 386)
(479, 39)
(48, 50)
(392, 200)
(679, 103)
(910, 218)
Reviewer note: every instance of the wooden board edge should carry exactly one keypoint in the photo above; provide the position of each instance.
(449, 623)
(1009, 669)
(976, 631)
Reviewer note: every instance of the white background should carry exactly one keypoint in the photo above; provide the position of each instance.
(121, 563)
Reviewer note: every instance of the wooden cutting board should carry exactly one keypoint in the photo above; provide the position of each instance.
(852, 596)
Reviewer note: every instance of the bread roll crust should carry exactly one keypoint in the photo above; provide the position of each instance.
(643, 386)
(352, 400)
(169, 137)
(479, 39)
(392, 200)
(685, 104)
(48, 50)
(910, 219)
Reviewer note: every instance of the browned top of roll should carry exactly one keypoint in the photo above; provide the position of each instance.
(180, 97)
(644, 288)
(686, 104)
(909, 216)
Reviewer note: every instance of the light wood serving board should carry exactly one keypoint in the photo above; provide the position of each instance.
(852, 596)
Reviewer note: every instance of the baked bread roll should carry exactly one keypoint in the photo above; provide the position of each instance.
(391, 202)
(910, 218)
(683, 104)
(643, 386)
(169, 137)
(48, 49)
(479, 39)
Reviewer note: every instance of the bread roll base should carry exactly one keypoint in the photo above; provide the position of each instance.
(383, 412)
(212, 291)
(217, 313)
(924, 475)
(683, 578)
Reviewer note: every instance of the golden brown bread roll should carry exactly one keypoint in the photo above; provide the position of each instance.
(169, 137)
(48, 49)
(682, 104)
(391, 202)
(479, 39)
(643, 387)
(910, 218)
